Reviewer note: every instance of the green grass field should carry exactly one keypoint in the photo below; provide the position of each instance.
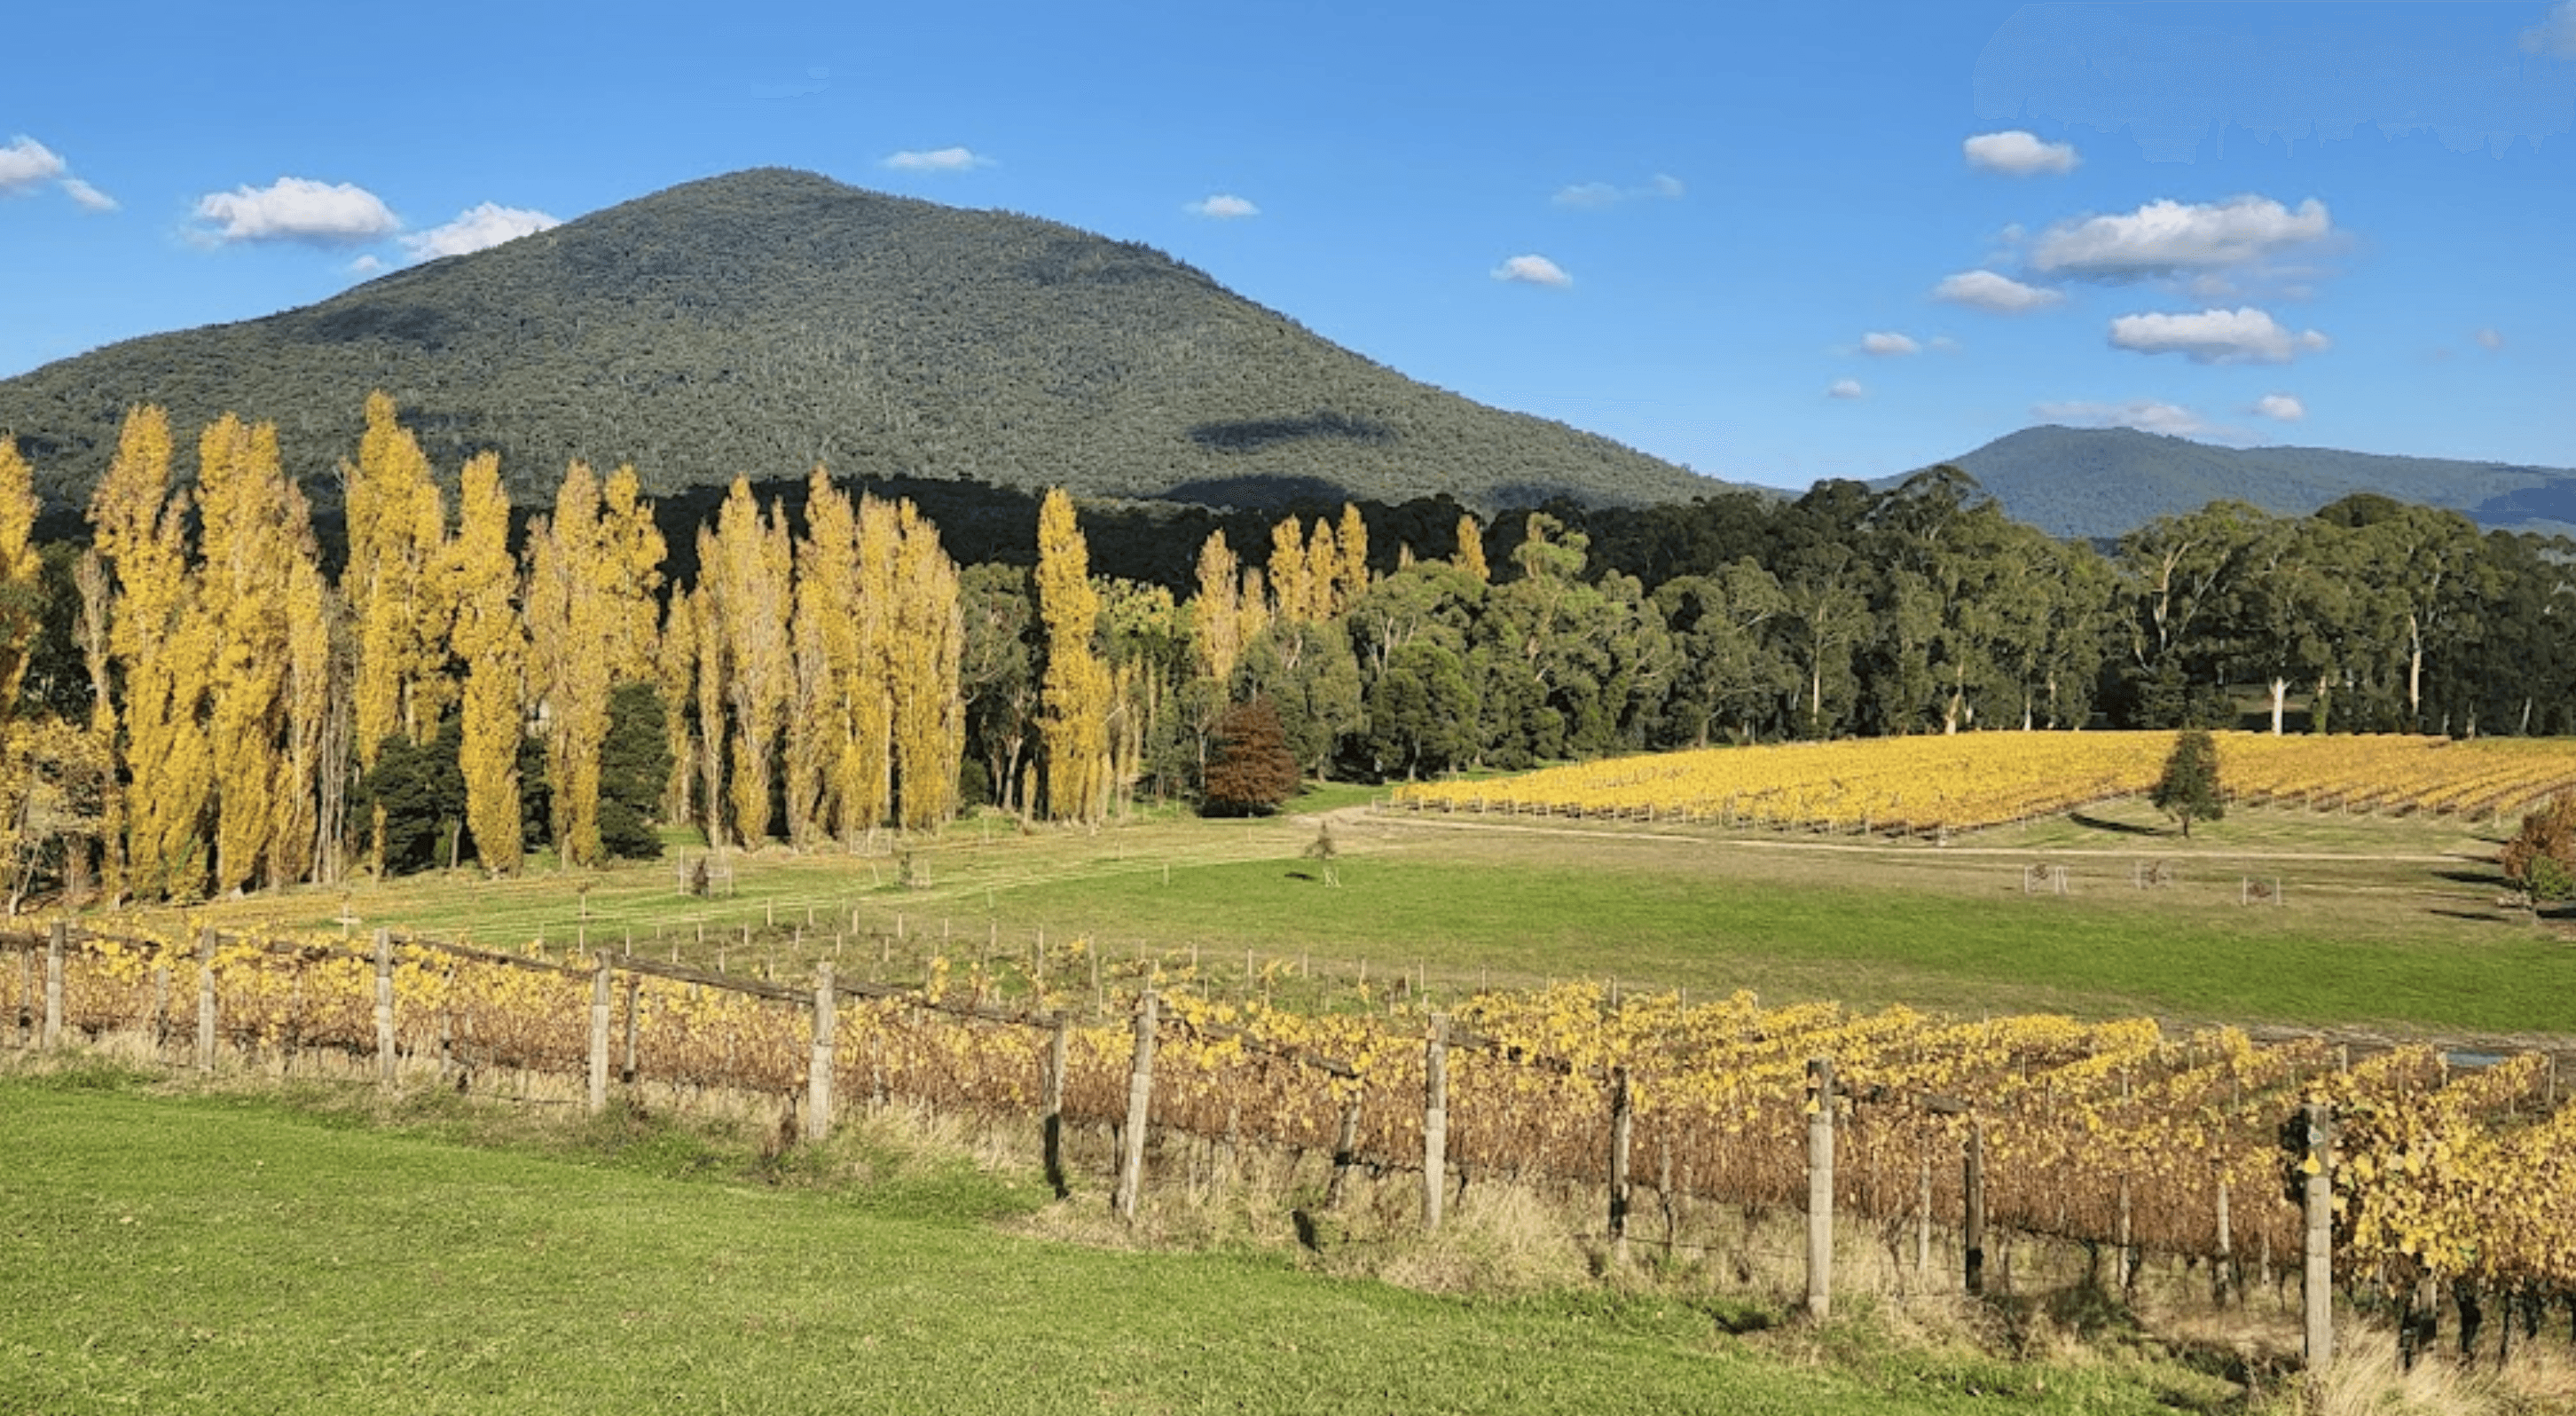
(220, 1253)
(2385, 922)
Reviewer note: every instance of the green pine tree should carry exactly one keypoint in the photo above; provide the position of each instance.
(2189, 789)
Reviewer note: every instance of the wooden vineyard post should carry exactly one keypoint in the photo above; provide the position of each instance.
(634, 1062)
(599, 1004)
(1435, 1121)
(385, 1007)
(24, 1024)
(1623, 1117)
(1140, 1103)
(1346, 1145)
(55, 940)
(2220, 1271)
(206, 1001)
(1820, 1187)
(1051, 1124)
(818, 1079)
(1972, 1237)
(2317, 1309)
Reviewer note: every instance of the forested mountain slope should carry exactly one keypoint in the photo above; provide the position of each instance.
(2107, 482)
(763, 321)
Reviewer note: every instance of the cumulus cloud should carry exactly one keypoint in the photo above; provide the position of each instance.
(477, 229)
(297, 209)
(2170, 237)
(1532, 270)
(947, 159)
(2280, 408)
(25, 163)
(1886, 344)
(2145, 415)
(1661, 186)
(2555, 34)
(2491, 339)
(2240, 336)
(366, 265)
(1223, 207)
(2001, 294)
(2019, 154)
(1846, 388)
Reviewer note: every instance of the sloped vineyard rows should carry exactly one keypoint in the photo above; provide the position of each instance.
(1928, 784)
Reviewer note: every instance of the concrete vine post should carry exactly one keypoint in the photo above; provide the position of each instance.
(384, 1007)
(55, 942)
(2317, 1195)
(1435, 1122)
(818, 1077)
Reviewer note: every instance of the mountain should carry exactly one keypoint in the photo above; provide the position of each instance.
(764, 321)
(2105, 482)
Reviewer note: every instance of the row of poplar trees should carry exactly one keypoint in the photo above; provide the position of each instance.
(242, 700)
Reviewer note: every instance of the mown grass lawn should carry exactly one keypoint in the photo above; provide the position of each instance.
(217, 1253)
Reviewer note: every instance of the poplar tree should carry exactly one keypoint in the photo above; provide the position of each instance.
(748, 566)
(1216, 629)
(1075, 685)
(1471, 549)
(20, 613)
(593, 568)
(824, 637)
(868, 762)
(159, 647)
(397, 533)
(490, 638)
(1323, 572)
(1290, 594)
(708, 635)
(928, 644)
(676, 674)
(254, 528)
(1351, 580)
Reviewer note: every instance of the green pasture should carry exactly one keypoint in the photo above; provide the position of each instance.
(2382, 922)
(215, 1253)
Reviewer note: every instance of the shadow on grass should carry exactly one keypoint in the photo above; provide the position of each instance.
(2121, 828)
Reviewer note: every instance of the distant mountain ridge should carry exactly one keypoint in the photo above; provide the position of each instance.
(2106, 482)
(763, 321)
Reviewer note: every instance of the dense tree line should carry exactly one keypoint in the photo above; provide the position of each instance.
(198, 700)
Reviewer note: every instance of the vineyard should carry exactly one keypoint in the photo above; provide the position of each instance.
(2118, 1136)
(1924, 785)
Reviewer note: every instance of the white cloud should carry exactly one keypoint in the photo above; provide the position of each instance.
(1661, 186)
(2019, 154)
(1532, 270)
(2555, 34)
(2145, 415)
(26, 162)
(1985, 290)
(366, 265)
(297, 209)
(947, 159)
(90, 198)
(1223, 207)
(2491, 339)
(2240, 336)
(2280, 408)
(1846, 388)
(477, 229)
(1888, 345)
(2169, 237)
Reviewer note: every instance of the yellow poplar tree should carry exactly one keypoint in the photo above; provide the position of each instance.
(569, 668)
(825, 637)
(1471, 548)
(1290, 594)
(254, 528)
(1323, 573)
(1351, 579)
(1075, 689)
(397, 538)
(676, 674)
(157, 644)
(1218, 623)
(706, 631)
(19, 567)
(929, 717)
(302, 844)
(491, 639)
(868, 762)
(748, 564)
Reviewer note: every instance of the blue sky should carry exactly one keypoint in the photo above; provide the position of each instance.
(1771, 242)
